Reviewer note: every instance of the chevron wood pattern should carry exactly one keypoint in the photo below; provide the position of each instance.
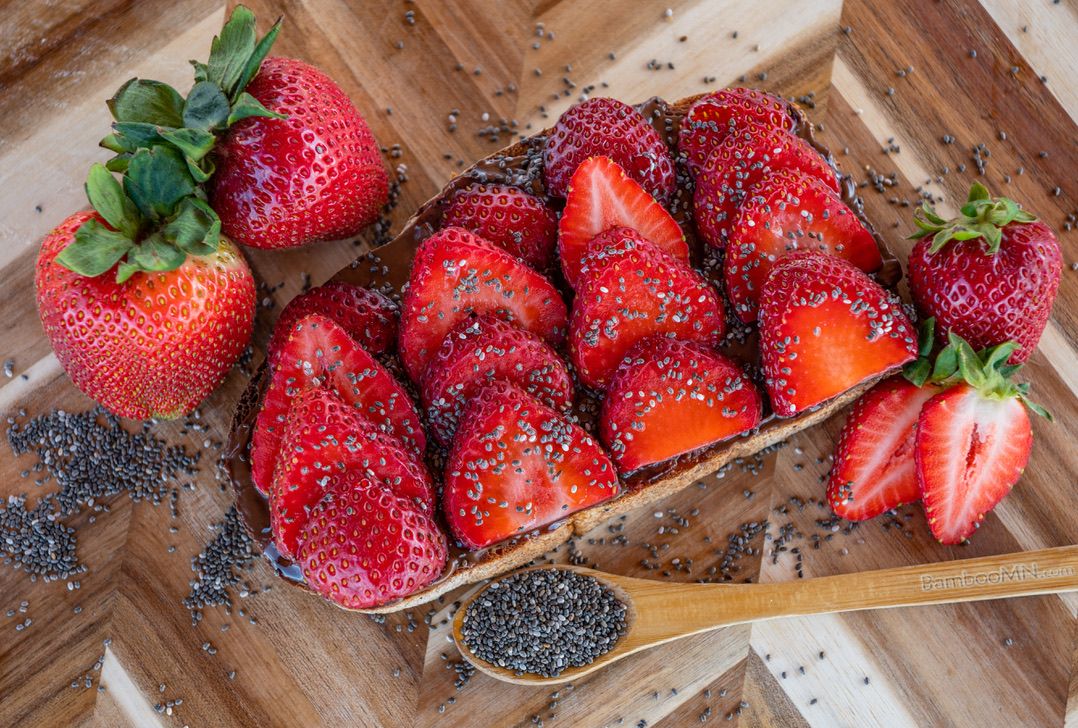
(302, 662)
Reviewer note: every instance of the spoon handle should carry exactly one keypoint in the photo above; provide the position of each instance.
(1046, 571)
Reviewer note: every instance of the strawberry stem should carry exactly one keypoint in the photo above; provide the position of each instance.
(983, 216)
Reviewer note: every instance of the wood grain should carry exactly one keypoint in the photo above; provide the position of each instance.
(304, 663)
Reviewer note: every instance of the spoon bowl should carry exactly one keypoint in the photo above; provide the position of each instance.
(659, 612)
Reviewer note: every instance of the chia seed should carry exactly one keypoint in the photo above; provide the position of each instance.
(218, 566)
(544, 621)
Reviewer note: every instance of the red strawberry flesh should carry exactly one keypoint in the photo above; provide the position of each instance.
(671, 397)
(825, 327)
(320, 353)
(517, 466)
(601, 196)
(369, 317)
(969, 451)
(786, 211)
(477, 352)
(520, 223)
(456, 274)
(715, 116)
(874, 468)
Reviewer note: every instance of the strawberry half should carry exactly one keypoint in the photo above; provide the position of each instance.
(324, 438)
(364, 546)
(628, 292)
(610, 128)
(737, 164)
(517, 465)
(317, 353)
(874, 466)
(477, 352)
(456, 274)
(713, 117)
(509, 217)
(369, 317)
(662, 386)
(601, 196)
(825, 326)
(973, 440)
(789, 210)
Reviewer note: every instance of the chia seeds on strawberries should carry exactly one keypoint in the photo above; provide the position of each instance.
(91, 457)
(544, 621)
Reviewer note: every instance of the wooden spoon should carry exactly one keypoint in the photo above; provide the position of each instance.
(660, 612)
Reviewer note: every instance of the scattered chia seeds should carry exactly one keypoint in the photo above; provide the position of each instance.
(544, 621)
(217, 567)
(92, 457)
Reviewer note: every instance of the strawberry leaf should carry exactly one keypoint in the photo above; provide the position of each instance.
(206, 108)
(194, 143)
(94, 250)
(156, 254)
(196, 228)
(254, 61)
(231, 51)
(247, 106)
(108, 198)
(983, 216)
(150, 102)
(156, 179)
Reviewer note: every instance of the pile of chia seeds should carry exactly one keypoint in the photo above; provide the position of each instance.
(544, 621)
(217, 567)
(91, 457)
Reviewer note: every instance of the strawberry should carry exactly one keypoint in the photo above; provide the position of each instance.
(146, 306)
(516, 466)
(631, 291)
(989, 275)
(456, 274)
(737, 164)
(601, 196)
(509, 217)
(825, 326)
(972, 440)
(662, 385)
(323, 439)
(714, 116)
(368, 316)
(364, 546)
(790, 210)
(314, 175)
(319, 352)
(478, 351)
(874, 465)
(609, 128)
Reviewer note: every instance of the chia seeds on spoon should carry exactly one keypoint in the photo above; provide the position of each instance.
(544, 621)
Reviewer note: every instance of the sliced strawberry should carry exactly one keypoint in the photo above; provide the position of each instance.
(324, 438)
(671, 397)
(713, 117)
(319, 352)
(737, 164)
(874, 469)
(825, 326)
(364, 546)
(629, 292)
(609, 128)
(477, 352)
(456, 274)
(509, 217)
(786, 211)
(602, 196)
(369, 317)
(970, 450)
(516, 466)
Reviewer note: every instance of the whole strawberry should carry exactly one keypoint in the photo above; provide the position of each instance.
(315, 175)
(286, 158)
(146, 306)
(989, 275)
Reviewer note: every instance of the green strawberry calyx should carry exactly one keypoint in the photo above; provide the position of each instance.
(987, 370)
(151, 113)
(153, 219)
(156, 214)
(983, 216)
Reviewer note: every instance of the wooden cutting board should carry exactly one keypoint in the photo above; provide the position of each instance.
(306, 663)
